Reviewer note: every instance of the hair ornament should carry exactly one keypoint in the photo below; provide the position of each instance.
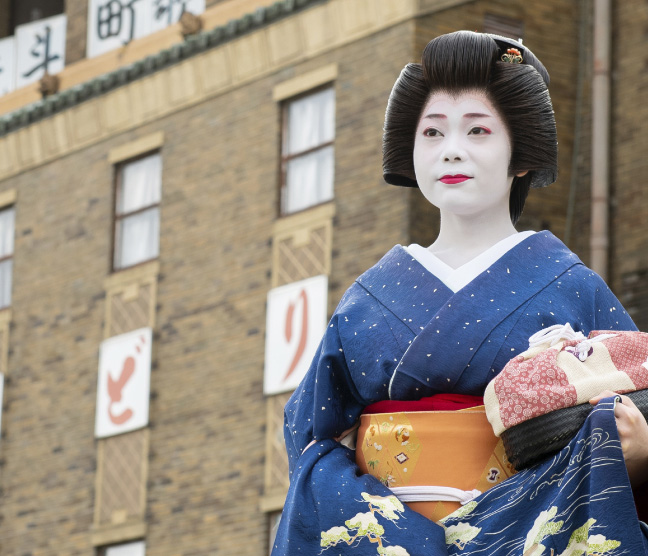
(512, 56)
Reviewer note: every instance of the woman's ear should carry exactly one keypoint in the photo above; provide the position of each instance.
(520, 174)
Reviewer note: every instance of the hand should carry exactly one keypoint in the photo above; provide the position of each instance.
(633, 432)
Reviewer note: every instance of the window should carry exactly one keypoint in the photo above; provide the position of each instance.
(137, 211)
(128, 549)
(26, 11)
(7, 219)
(307, 151)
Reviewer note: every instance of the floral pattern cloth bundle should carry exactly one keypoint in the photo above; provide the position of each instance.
(541, 398)
(572, 371)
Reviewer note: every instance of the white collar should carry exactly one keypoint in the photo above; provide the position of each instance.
(457, 278)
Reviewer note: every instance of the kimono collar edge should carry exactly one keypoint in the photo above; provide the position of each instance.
(405, 288)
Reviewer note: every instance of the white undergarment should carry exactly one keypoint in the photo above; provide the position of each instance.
(457, 278)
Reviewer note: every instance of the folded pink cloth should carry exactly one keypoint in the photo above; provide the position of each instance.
(561, 369)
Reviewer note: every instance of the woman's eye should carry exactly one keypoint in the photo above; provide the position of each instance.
(431, 132)
(480, 131)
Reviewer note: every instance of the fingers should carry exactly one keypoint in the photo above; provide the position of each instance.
(604, 394)
(627, 415)
(627, 402)
(633, 435)
(608, 394)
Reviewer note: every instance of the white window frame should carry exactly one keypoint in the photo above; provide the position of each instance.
(121, 217)
(295, 89)
(118, 157)
(9, 257)
(325, 147)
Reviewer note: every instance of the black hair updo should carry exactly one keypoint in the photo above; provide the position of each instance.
(467, 61)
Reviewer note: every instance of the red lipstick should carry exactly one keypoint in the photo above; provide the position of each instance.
(452, 179)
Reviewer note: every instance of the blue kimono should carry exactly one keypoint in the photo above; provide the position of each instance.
(400, 333)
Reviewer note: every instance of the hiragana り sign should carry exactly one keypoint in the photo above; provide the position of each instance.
(295, 323)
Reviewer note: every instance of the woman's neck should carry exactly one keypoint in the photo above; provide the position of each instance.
(462, 238)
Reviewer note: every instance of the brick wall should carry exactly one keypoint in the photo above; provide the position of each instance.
(629, 165)
(48, 452)
(371, 216)
(77, 30)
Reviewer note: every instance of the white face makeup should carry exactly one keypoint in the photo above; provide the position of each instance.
(461, 155)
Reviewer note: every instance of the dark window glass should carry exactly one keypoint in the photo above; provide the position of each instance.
(26, 11)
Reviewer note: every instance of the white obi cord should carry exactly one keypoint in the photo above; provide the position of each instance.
(564, 332)
(434, 494)
(554, 334)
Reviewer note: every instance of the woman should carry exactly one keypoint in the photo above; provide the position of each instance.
(473, 127)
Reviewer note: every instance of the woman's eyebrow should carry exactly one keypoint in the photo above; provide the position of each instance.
(470, 115)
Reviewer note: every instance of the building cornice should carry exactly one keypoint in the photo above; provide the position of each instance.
(205, 66)
(194, 44)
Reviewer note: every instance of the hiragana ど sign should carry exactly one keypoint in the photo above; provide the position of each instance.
(123, 384)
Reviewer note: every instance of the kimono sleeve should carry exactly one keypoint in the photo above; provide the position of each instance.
(351, 370)
(609, 314)
(579, 297)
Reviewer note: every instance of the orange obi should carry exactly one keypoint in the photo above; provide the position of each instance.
(432, 460)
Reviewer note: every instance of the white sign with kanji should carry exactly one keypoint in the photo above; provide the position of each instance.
(167, 12)
(123, 385)
(295, 323)
(114, 23)
(7, 65)
(40, 48)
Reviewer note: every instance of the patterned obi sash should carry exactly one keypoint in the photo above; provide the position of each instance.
(433, 460)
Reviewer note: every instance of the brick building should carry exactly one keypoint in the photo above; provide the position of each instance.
(151, 186)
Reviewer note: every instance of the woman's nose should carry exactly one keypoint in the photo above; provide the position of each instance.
(453, 151)
(453, 154)
(449, 157)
